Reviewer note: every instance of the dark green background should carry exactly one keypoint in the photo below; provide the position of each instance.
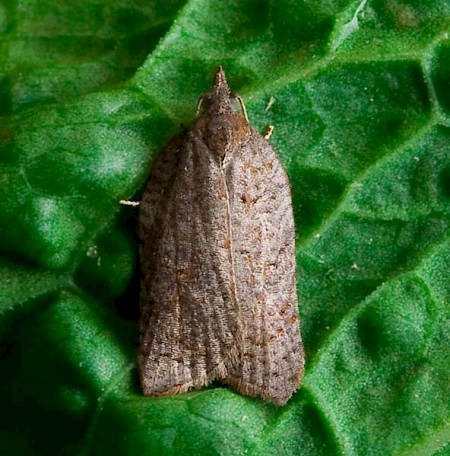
(90, 91)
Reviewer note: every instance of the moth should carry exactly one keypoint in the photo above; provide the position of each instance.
(218, 287)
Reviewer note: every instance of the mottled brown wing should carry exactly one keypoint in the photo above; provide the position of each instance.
(189, 326)
(271, 361)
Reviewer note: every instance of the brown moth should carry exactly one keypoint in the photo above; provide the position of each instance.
(218, 296)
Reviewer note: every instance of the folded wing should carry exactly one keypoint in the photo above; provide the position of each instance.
(190, 325)
(270, 363)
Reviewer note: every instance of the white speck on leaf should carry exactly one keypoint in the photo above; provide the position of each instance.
(270, 103)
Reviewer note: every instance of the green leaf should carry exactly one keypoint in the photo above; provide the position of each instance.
(358, 94)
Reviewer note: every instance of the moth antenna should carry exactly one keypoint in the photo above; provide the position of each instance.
(199, 105)
(242, 105)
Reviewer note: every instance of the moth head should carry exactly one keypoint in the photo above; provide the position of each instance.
(218, 100)
(222, 117)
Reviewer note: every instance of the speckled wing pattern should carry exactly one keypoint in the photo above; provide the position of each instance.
(190, 323)
(218, 298)
(270, 362)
